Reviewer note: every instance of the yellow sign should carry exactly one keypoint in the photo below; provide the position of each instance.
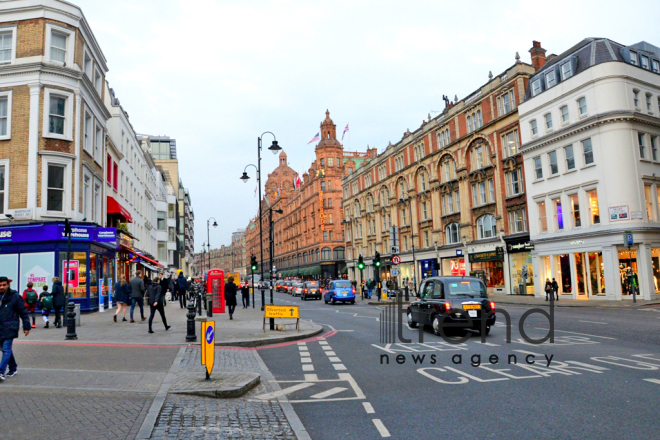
(208, 346)
(236, 275)
(282, 312)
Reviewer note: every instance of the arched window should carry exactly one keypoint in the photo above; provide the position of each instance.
(356, 209)
(478, 157)
(487, 226)
(326, 253)
(384, 197)
(453, 233)
(318, 254)
(422, 181)
(339, 253)
(402, 189)
(304, 257)
(370, 204)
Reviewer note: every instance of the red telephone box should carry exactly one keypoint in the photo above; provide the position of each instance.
(215, 286)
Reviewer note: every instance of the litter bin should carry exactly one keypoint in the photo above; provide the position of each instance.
(522, 289)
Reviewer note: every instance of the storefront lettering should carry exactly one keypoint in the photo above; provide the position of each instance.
(577, 242)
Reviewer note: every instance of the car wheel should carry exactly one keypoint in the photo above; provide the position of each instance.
(353, 302)
(333, 300)
(487, 330)
(411, 322)
(436, 325)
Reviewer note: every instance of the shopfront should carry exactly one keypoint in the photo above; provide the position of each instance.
(521, 270)
(489, 266)
(38, 252)
(428, 268)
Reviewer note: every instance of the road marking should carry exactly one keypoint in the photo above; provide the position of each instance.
(339, 367)
(306, 360)
(381, 428)
(330, 353)
(303, 348)
(653, 381)
(528, 352)
(326, 347)
(576, 333)
(304, 353)
(490, 344)
(594, 322)
(330, 392)
(285, 391)
(302, 343)
(311, 378)
(308, 367)
(368, 408)
(335, 359)
(323, 342)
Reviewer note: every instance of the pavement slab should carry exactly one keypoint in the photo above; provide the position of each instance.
(223, 384)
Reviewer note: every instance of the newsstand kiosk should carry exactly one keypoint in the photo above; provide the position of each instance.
(215, 288)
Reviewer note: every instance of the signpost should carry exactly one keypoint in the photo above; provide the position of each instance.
(394, 271)
(396, 260)
(629, 241)
(208, 346)
(282, 312)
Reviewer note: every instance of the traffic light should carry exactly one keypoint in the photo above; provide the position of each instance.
(253, 263)
(377, 259)
(436, 265)
(360, 263)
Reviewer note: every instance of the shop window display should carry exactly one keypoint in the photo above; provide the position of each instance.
(597, 273)
(563, 273)
(627, 260)
(516, 263)
(494, 271)
(77, 278)
(655, 260)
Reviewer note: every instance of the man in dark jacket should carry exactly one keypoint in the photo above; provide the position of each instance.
(12, 309)
(182, 287)
(59, 301)
(230, 296)
(156, 298)
(245, 292)
(137, 294)
(555, 289)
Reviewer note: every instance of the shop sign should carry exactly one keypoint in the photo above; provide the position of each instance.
(55, 232)
(520, 247)
(459, 252)
(485, 256)
(618, 213)
(457, 267)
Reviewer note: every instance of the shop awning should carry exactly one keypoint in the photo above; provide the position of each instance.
(115, 208)
(149, 266)
(315, 270)
(344, 271)
(143, 259)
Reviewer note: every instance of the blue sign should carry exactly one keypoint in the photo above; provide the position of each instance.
(55, 232)
(209, 335)
(459, 252)
(628, 236)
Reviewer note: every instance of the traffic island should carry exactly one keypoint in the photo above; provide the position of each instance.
(221, 385)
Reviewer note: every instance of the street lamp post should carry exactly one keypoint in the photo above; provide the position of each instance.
(402, 203)
(208, 233)
(272, 251)
(274, 148)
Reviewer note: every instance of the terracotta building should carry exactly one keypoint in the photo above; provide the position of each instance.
(308, 235)
(454, 188)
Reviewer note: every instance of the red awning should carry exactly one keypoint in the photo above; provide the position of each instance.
(115, 208)
(142, 257)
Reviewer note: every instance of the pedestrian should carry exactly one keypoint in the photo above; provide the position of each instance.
(59, 301)
(31, 298)
(137, 294)
(164, 286)
(46, 300)
(245, 292)
(122, 297)
(370, 287)
(172, 286)
(555, 288)
(12, 310)
(230, 296)
(548, 288)
(156, 298)
(182, 286)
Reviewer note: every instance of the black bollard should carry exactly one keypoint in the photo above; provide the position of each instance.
(209, 309)
(407, 294)
(71, 322)
(190, 336)
(199, 304)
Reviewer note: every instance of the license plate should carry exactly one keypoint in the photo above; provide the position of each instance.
(472, 307)
(344, 291)
(472, 313)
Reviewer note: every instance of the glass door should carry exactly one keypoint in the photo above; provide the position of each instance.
(596, 274)
(627, 263)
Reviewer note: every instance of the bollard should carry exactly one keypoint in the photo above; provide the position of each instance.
(199, 304)
(209, 309)
(190, 336)
(407, 294)
(71, 322)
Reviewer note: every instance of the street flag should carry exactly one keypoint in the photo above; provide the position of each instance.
(315, 138)
(298, 182)
(345, 130)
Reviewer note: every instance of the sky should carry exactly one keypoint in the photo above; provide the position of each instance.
(216, 74)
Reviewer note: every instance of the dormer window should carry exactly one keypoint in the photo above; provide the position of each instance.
(633, 58)
(550, 79)
(645, 62)
(536, 86)
(656, 66)
(566, 71)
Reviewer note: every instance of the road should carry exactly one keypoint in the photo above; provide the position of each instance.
(602, 380)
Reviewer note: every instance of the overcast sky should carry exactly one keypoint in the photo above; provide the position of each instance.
(216, 74)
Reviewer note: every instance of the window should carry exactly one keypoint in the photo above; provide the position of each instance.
(656, 66)
(543, 221)
(58, 47)
(469, 124)
(482, 193)
(477, 158)
(161, 222)
(633, 58)
(566, 70)
(56, 115)
(538, 168)
(552, 159)
(403, 217)
(478, 120)
(3, 189)
(564, 114)
(649, 202)
(487, 226)
(325, 235)
(98, 81)
(426, 239)
(452, 232)
(506, 102)
(642, 148)
(98, 202)
(550, 79)
(636, 98)
(88, 65)
(514, 183)
(5, 114)
(533, 127)
(575, 210)
(645, 62)
(457, 201)
(98, 146)
(559, 217)
(648, 103)
(594, 213)
(536, 87)
(518, 221)
(548, 121)
(382, 174)
(330, 184)
(323, 185)
(424, 211)
(7, 41)
(55, 188)
(491, 189)
(87, 197)
(510, 142)
(367, 180)
(654, 147)
(450, 203)
(587, 152)
(570, 159)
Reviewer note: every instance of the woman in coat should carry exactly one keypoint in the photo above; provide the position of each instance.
(59, 301)
(156, 298)
(121, 297)
(230, 296)
(548, 288)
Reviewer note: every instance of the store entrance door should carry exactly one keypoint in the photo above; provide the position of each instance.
(627, 261)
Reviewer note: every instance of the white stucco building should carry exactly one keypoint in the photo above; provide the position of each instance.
(590, 128)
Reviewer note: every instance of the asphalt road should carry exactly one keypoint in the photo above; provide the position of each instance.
(603, 379)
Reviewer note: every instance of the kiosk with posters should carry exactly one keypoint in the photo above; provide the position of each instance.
(215, 287)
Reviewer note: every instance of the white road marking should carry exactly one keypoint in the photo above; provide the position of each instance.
(653, 381)
(308, 367)
(323, 342)
(326, 347)
(335, 359)
(285, 391)
(330, 392)
(305, 354)
(529, 352)
(330, 353)
(302, 343)
(311, 378)
(306, 360)
(594, 322)
(381, 428)
(303, 348)
(339, 367)
(576, 333)
(368, 408)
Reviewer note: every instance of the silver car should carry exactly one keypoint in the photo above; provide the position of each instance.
(297, 289)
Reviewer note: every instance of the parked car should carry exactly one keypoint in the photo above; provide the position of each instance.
(461, 299)
(297, 289)
(311, 290)
(339, 291)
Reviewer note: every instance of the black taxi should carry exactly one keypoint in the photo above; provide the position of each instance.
(462, 300)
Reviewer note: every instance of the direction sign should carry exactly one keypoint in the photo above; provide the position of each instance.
(396, 260)
(208, 346)
(394, 249)
(394, 271)
(628, 238)
(282, 312)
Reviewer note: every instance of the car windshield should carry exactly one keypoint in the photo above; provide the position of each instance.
(342, 284)
(470, 288)
(313, 284)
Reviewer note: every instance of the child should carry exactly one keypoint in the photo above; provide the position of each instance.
(30, 298)
(46, 300)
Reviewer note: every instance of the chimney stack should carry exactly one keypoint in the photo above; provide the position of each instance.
(538, 55)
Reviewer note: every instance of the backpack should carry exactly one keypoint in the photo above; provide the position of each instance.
(46, 301)
(31, 297)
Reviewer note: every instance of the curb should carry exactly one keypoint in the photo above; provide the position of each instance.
(223, 393)
(260, 342)
(381, 303)
(591, 305)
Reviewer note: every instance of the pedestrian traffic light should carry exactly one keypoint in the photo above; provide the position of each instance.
(360, 263)
(253, 263)
(377, 259)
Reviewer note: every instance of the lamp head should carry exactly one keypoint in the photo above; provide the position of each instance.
(245, 177)
(274, 148)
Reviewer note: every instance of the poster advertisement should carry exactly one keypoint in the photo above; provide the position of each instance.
(73, 274)
(618, 213)
(9, 266)
(38, 269)
(101, 297)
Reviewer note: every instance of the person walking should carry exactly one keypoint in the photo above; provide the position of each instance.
(230, 296)
(182, 286)
(245, 292)
(12, 310)
(137, 294)
(59, 301)
(46, 300)
(171, 283)
(156, 298)
(31, 298)
(548, 288)
(555, 288)
(121, 296)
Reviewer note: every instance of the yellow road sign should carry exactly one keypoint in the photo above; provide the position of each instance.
(282, 312)
(235, 275)
(208, 346)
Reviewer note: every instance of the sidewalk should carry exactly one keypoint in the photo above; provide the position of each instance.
(568, 302)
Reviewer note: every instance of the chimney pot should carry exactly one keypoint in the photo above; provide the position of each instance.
(538, 55)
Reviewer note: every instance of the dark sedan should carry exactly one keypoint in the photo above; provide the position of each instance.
(311, 289)
(462, 300)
